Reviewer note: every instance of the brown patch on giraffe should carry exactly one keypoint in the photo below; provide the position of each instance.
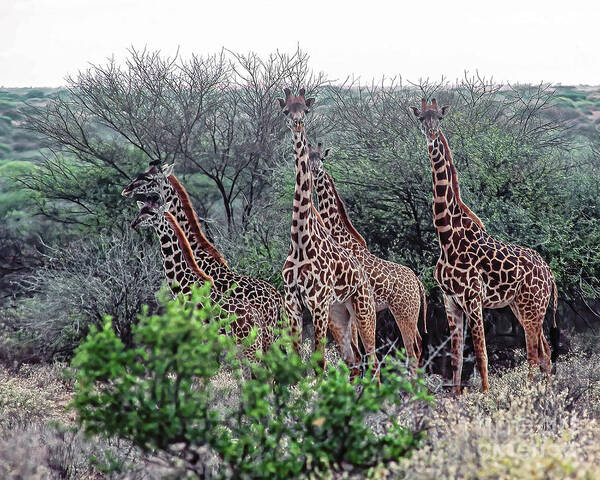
(193, 220)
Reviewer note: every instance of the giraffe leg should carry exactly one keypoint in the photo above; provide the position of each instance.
(535, 342)
(320, 318)
(362, 311)
(270, 319)
(532, 338)
(474, 312)
(340, 327)
(293, 309)
(247, 317)
(456, 323)
(355, 340)
(407, 324)
(545, 352)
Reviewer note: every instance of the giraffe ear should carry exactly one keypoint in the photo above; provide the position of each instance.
(168, 169)
(140, 204)
(310, 101)
(165, 207)
(281, 103)
(416, 112)
(326, 152)
(445, 108)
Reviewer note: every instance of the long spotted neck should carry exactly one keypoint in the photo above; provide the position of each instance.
(446, 211)
(205, 254)
(333, 214)
(456, 186)
(302, 215)
(180, 275)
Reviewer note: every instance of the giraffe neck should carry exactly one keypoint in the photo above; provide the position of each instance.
(456, 186)
(204, 253)
(302, 209)
(333, 214)
(180, 275)
(446, 210)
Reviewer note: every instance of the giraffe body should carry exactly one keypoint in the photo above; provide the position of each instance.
(262, 296)
(182, 271)
(476, 271)
(318, 272)
(394, 286)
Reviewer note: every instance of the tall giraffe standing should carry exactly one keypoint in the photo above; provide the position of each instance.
(182, 271)
(395, 286)
(264, 297)
(318, 272)
(476, 271)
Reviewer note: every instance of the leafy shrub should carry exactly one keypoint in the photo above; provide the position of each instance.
(283, 423)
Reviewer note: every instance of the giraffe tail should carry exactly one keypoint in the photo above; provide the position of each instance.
(554, 330)
(423, 305)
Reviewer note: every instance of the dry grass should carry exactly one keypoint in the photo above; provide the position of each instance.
(521, 429)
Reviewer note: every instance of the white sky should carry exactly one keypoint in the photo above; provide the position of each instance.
(41, 41)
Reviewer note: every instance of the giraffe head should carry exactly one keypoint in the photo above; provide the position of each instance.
(149, 180)
(150, 214)
(429, 117)
(295, 108)
(316, 157)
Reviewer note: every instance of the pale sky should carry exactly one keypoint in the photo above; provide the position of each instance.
(41, 41)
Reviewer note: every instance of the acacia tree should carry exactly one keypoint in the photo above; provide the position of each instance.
(242, 138)
(214, 115)
(109, 121)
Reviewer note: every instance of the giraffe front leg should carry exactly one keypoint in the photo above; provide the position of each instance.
(455, 315)
(474, 310)
(293, 309)
(320, 318)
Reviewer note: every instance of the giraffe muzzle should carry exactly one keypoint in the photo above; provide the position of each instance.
(135, 223)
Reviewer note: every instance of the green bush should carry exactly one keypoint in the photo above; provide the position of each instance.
(163, 395)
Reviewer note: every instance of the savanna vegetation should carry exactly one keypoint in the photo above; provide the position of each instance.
(528, 158)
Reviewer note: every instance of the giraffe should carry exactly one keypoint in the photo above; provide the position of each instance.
(318, 272)
(476, 271)
(395, 286)
(182, 271)
(264, 297)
